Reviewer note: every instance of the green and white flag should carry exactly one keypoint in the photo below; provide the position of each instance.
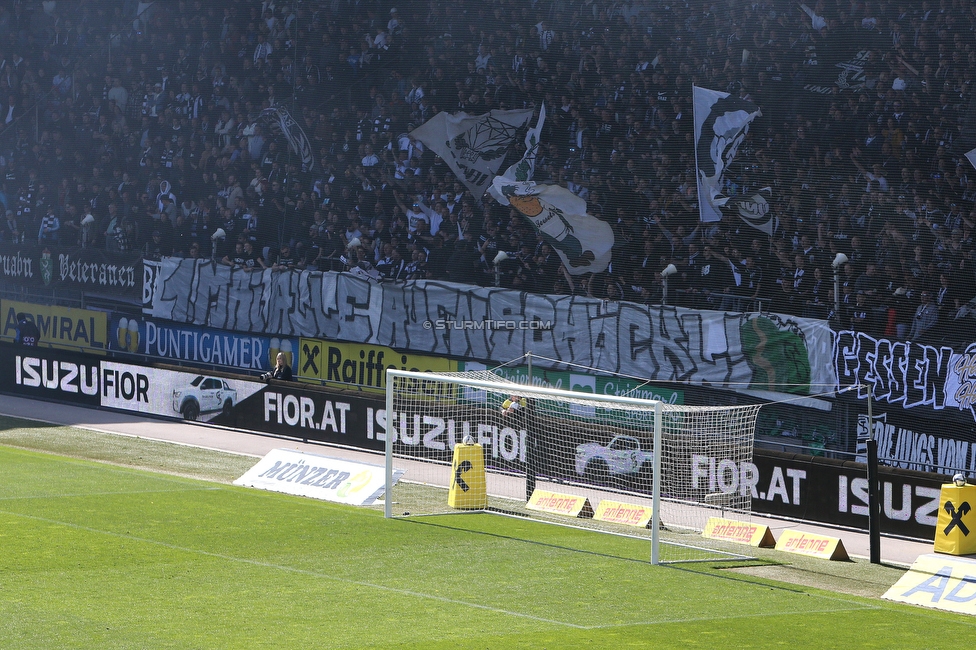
(582, 241)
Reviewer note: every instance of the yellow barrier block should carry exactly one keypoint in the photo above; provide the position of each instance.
(955, 532)
(740, 532)
(629, 514)
(560, 504)
(822, 546)
(468, 489)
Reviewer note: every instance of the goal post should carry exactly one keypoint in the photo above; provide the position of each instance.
(658, 469)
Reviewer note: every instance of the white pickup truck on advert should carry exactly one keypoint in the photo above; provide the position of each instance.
(621, 456)
(204, 395)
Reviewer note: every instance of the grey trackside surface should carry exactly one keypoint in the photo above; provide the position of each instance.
(895, 551)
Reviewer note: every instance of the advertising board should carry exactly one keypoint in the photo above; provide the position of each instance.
(83, 330)
(43, 373)
(198, 345)
(363, 365)
(169, 393)
(792, 485)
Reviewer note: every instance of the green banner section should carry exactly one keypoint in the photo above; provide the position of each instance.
(582, 382)
(578, 382)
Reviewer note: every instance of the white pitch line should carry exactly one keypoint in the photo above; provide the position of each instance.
(314, 574)
(444, 599)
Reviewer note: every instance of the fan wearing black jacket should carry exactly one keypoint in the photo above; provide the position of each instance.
(281, 371)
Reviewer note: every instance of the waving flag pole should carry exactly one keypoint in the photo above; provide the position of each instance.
(721, 123)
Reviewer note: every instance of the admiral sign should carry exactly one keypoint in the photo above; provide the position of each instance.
(84, 330)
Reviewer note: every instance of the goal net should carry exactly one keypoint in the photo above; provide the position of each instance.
(623, 465)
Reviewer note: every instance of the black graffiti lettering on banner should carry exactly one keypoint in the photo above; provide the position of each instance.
(87, 268)
(653, 343)
(49, 374)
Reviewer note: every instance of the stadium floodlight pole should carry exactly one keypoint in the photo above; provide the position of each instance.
(874, 503)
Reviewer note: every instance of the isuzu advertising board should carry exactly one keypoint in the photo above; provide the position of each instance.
(43, 373)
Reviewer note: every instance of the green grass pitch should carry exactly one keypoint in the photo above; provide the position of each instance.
(100, 555)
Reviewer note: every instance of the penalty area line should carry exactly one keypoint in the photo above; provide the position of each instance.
(305, 572)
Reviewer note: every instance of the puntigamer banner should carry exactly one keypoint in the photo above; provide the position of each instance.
(199, 345)
(445, 319)
(87, 269)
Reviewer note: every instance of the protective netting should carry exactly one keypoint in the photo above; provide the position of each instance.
(592, 446)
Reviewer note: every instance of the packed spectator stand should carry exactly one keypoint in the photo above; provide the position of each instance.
(142, 126)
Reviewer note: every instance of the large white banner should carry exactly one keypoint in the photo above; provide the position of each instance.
(319, 477)
(473, 146)
(443, 318)
(721, 123)
(582, 241)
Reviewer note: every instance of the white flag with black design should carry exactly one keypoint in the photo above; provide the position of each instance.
(971, 157)
(582, 241)
(473, 146)
(524, 169)
(294, 133)
(721, 123)
(754, 210)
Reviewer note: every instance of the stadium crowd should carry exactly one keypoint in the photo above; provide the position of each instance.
(151, 118)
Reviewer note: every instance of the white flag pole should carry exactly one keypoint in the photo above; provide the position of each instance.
(694, 143)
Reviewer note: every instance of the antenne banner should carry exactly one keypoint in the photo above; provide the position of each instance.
(441, 318)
